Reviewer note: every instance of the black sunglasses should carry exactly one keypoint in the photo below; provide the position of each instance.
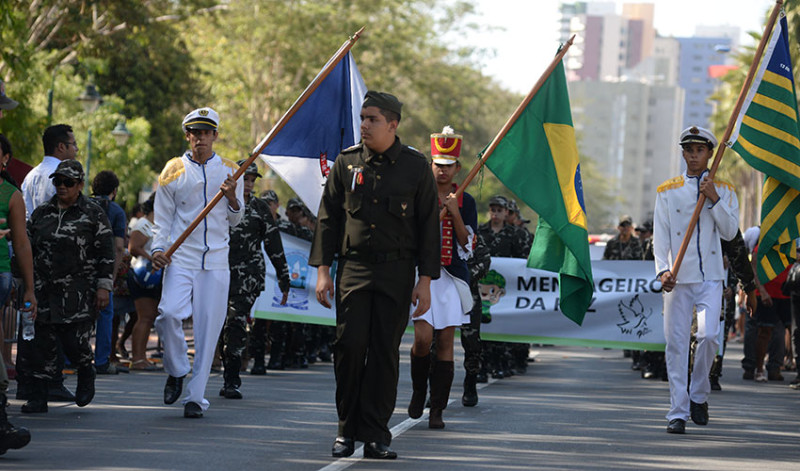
(67, 182)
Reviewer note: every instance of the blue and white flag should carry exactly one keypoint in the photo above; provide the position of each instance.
(303, 152)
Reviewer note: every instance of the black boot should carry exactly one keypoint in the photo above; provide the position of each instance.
(11, 437)
(441, 380)
(259, 367)
(470, 397)
(420, 368)
(37, 397)
(232, 379)
(84, 393)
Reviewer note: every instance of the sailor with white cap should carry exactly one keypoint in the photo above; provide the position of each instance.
(698, 284)
(196, 282)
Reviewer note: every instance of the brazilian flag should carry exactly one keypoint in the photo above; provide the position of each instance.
(538, 160)
(766, 136)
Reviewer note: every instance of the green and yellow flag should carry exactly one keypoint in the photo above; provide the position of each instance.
(538, 160)
(766, 136)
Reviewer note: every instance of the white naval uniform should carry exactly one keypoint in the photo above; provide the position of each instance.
(699, 281)
(196, 282)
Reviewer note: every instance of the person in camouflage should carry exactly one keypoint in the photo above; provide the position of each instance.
(624, 245)
(478, 266)
(279, 333)
(73, 256)
(247, 268)
(503, 240)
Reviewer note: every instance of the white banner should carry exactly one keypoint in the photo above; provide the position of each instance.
(523, 302)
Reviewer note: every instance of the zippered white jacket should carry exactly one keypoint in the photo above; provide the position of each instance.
(185, 188)
(675, 203)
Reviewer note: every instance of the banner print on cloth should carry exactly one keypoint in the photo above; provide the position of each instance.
(303, 152)
(766, 136)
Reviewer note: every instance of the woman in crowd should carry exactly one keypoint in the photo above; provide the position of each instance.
(73, 258)
(145, 293)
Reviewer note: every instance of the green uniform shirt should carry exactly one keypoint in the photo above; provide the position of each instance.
(379, 204)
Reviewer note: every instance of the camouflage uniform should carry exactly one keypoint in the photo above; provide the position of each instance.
(287, 339)
(617, 250)
(247, 268)
(73, 256)
(478, 266)
(513, 242)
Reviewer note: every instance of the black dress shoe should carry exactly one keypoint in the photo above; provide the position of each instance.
(699, 413)
(343, 447)
(378, 451)
(676, 426)
(173, 388)
(192, 410)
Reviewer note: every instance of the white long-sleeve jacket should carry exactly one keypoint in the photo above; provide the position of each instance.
(185, 188)
(675, 203)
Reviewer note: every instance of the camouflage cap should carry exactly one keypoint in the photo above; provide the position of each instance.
(295, 203)
(252, 169)
(625, 220)
(270, 196)
(646, 226)
(384, 101)
(499, 200)
(70, 169)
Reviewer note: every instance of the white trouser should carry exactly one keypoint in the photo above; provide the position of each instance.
(678, 307)
(203, 295)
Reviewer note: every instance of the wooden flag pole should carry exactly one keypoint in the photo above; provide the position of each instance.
(506, 127)
(728, 131)
(326, 70)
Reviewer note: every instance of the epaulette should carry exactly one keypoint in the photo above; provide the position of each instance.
(676, 182)
(172, 170)
(416, 153)
(229, 163)
(730, 185)
(354, 148)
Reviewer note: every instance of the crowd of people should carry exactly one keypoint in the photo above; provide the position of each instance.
(400, 236)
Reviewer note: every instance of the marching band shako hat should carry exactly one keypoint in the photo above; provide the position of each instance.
(445, 146)
(696, 134)
(201, 118)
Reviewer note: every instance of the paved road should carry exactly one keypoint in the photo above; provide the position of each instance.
(576, 409)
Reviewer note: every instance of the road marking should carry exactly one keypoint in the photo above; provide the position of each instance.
(397, 430)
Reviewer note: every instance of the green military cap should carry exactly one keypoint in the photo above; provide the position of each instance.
(70, 169)
(384, 101)
(252, 169)
(295, 203)
(499, 200)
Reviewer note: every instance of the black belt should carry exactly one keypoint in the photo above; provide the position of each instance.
(378, 257)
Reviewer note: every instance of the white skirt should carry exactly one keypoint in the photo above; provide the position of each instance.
(451, 302)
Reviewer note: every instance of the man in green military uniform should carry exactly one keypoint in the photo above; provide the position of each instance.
(379, 213)
(247, 268)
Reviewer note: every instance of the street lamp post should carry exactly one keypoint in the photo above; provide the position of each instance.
(90, 100)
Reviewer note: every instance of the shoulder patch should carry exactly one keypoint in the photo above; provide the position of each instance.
(353, 148)
(670, 184)
(172, 171)
(724, 183)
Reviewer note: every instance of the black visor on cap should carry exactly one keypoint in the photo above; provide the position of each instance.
(201, 123)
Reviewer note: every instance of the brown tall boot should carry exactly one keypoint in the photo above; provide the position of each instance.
(420, 368)
(441, 380)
